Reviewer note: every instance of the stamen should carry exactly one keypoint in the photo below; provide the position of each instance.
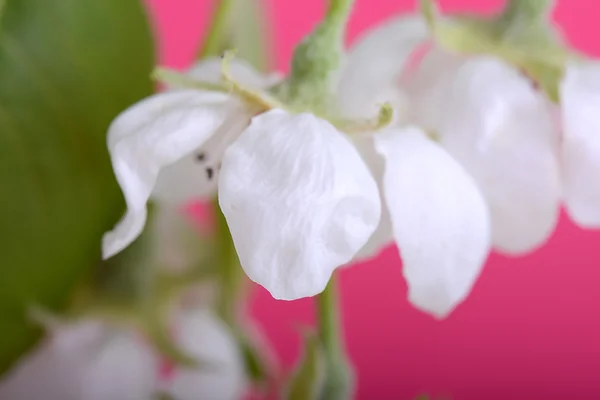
(214, 148)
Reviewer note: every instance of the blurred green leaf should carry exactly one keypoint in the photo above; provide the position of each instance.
(67, 68)
(309, 378)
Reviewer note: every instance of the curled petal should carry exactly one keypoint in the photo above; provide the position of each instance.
(374, 65)
(209, 70)
(383, 235)
(153, 134)
(299, 202)
(440, 220)
(202, 335)
(580, 95)
(502, 131)
(195, 176)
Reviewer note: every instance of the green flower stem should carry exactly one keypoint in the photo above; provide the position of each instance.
(338, 12)
(528, 10)
(338, 379)
(218, 29)
(317, 59)
(329, 319)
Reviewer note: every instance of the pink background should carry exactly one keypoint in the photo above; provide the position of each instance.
(531, 327)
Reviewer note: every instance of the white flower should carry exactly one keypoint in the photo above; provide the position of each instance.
(302, 198)
(297, 197)
(91, 361)
(491, 120)
(84, 362)
(206, 338)
(431, 208)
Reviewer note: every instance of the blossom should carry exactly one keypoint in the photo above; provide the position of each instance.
(90, 360)
(493, 121)
(297, 197)
(303, 196)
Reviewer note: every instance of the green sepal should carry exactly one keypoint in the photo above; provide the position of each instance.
(522, 36)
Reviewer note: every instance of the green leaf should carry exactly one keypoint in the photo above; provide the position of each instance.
(67, 68)
(309, 378)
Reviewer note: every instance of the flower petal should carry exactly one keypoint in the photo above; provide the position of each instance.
(195, 176)
(502, 131)
(209, 70)
(375, 63)
(580, 94)
(439, 218)
(383, 235)
(152, 134)
(203, 336)
(299, 202)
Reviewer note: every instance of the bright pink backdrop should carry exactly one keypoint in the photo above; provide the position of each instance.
(531, 327)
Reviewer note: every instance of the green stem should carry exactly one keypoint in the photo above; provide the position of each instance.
(338, 12)
(329, 319)
(338, 380)
(528, 10)
(213, 43)
(317, 59)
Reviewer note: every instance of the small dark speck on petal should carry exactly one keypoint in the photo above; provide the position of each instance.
(200, 157)
(210, 173)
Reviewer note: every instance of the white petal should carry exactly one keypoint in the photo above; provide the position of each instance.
(202, 335)
(374, 66)
(209, 70)
(580, 95)
(502, 131)
(299, 202)
(383, 235)
(195, 176)
(427, 87)
(124, 368)
(149, 136)
(440, 220)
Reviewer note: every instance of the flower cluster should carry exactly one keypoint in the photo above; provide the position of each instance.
(448, 137)
(473, 159)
